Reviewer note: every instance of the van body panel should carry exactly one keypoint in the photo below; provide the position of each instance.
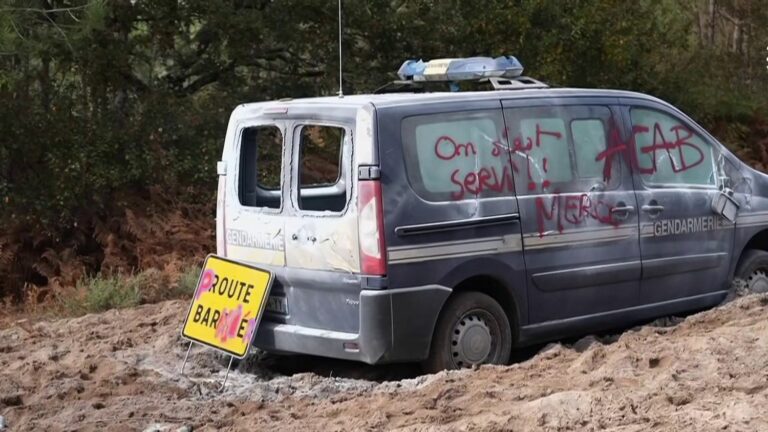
(556, 275)
(450, 239)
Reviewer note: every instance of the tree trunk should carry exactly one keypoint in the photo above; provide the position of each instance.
(712, 13)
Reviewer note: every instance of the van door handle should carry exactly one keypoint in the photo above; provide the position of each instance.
(653, 208)
(622, 210)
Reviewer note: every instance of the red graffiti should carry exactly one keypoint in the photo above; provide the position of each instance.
(660, 143)
(572, 209)
(446, 148)
(487, 178)
(617, 146)
(492, 178)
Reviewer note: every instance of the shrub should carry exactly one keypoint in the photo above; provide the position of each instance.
(187, 282)
(100, 293)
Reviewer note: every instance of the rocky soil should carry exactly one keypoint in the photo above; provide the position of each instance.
(119, 371)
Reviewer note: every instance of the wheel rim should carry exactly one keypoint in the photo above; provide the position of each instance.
(757, 282)
(474, 339)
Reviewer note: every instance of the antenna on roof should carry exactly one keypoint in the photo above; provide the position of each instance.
(341, 91)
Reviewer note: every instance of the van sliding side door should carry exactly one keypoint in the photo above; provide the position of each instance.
(577, 206)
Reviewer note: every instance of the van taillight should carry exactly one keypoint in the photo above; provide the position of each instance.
(373, 251)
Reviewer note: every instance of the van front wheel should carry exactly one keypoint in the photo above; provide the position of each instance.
(753, 269)
(472, 329)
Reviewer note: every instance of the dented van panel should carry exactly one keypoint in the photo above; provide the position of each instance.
(576, 210)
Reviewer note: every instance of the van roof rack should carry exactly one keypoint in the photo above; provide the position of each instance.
(498, 83)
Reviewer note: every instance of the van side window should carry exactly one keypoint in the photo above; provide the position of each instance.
(261, 156)
(548, 157)
(320, 169)
(562, 149)
(589, 141)
(456, 156)
(667, 152)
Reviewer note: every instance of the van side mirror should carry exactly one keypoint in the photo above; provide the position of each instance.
(725, 205)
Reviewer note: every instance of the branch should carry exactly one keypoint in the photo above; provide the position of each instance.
(207, 78)
(45, 11)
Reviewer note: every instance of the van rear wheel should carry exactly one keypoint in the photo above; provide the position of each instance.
(472, 329)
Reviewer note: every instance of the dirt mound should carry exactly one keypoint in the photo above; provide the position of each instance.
(119, 371)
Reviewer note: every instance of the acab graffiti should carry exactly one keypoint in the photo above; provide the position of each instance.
(674, 149)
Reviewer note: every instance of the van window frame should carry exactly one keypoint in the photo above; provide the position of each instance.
(237, 153)
(345, 168)
(629, 104)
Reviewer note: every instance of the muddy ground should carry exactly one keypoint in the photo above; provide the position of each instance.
(119, 371)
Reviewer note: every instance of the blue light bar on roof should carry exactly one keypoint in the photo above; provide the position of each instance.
(460, 69)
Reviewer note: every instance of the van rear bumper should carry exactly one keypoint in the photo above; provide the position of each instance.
(396, 325)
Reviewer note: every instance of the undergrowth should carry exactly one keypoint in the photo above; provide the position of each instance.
(102, 292)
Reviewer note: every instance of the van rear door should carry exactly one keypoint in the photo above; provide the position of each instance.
(251, 208)
(322, 232)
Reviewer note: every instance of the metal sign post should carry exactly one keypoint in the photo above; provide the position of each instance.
(229, 366)
(186, 356)
(226, 374)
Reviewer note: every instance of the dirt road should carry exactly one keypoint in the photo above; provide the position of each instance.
(119, 371)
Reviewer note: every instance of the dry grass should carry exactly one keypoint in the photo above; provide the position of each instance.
(144, 249)
(143, 256)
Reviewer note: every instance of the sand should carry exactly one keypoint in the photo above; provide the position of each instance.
(119, 371)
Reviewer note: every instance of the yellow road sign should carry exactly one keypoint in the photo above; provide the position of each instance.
(228, 304)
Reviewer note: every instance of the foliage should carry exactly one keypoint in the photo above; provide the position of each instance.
(97, 293)
(103, 101)
(102, 292)
(187, 283)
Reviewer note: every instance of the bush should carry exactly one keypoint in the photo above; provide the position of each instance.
(187, 283)
(100, 293)
(103, 292)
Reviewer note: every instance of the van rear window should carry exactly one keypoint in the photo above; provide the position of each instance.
(321, 186)
(457, 156)
(261, 156)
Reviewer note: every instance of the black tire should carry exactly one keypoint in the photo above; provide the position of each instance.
(753, 269)
(472, 329)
